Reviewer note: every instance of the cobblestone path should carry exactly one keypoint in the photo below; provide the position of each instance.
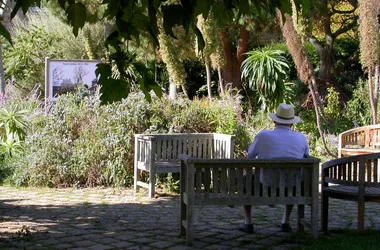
(97, 219)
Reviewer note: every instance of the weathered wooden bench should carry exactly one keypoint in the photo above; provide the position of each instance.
(361, 140)
(355, 178)
(159, 153)
(220, 182)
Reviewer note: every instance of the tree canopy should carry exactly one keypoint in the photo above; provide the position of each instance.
(133, 18)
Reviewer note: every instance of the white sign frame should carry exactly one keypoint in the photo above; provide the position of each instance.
(68, 73)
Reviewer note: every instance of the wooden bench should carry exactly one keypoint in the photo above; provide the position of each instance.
(355, 178)
(361, 140)
(159, 153)
(220, 182)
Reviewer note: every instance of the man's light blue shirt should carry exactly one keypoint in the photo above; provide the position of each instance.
(280, 142)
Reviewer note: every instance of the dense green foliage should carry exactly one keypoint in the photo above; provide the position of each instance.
(83, 143)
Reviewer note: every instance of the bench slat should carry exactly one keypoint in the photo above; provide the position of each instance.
(248, 180)
(222, 199)
(207, 178)
(264, 183)
(282, 183)
(352, 190)
(215, 185)
(239, 173)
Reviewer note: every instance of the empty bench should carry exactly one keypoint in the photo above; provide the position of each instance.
(354, 178)
(220, 182)
(159, 153)
(360, 140)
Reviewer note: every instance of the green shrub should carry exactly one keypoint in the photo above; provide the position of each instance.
(358, 107)
(81, 143)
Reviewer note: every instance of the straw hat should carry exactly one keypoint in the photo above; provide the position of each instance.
(285, 114)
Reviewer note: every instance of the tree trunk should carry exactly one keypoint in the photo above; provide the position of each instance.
(234, 58)
(327, 59)
(327, 64)
(2, 79)
(172, 89)
(184, 90)
(208, 74)
(371, 96)
(376, 89)
(220, 80)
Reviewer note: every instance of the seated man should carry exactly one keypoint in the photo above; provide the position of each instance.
(281, 142)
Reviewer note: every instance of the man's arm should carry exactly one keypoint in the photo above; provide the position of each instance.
(253, 150)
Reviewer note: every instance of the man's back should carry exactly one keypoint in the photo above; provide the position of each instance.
(277, 143)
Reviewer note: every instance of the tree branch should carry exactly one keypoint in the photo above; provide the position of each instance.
(314, 41)
(335, 11)
(346, 28)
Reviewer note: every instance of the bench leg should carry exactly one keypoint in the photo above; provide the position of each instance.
(135, 179)
(182, 217)
(361, 208)
(189, 225)
(182, 205)
(300, 217)
(152, 176)
(325, 213)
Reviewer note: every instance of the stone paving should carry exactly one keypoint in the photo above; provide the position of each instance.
(97, 219)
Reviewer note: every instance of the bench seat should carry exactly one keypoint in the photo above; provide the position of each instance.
(353, 191)
(358, 151)
(355, 178)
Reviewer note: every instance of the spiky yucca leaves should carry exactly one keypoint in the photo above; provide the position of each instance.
(266, 71)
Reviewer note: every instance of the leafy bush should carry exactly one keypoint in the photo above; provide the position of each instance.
(81, 143)
(358, 107)
(15, 116)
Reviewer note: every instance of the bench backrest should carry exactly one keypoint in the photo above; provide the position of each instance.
(360, 170)
(221, 181)
(168, 147)
(366, 136)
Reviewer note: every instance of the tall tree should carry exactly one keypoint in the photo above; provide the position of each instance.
(304, 68)
(328, 20)
(370, 47)
(212, 52)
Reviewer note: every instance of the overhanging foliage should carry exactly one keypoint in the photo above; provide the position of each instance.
(133, 18)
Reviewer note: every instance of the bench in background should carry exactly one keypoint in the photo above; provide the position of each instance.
(159, 153)
(361, 140)
(355, 178)
(220, 182)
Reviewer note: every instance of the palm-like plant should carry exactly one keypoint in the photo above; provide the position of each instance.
(13, 123)
(11, 146)
(266, 71)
